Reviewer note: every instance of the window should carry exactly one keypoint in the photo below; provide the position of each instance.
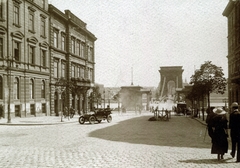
(43, 56)
(78, 48)
(16, 51)
(31, 21)
(44, 108)
(31, 89)
(16, 15)
(78, 72)
(16, 88)
(82, 50)
(63, 42)
(82, 72)
(32, 109)
(31, 54)
(73, 71)
(63, 70)
(1, 48)
(1, 87)
(43, 27)
(90, 54)
(43, 3)
(1, 10)
(88, 73)
(73, 45)
(91, 74)
(43, 90)
(55, 69)
(55, 39)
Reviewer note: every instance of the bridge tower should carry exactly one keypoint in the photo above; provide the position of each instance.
(170, 80)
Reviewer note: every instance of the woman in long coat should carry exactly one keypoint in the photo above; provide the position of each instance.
(219, 133)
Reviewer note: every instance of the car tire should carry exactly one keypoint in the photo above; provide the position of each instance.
(109, 118)
(92, 119)
(81, 120)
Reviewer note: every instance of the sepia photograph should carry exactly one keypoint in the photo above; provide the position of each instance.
(119, 83)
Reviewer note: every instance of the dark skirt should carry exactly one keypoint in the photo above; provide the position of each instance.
(219, 142)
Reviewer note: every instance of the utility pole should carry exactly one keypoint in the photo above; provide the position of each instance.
(104, 98)
(9, 89)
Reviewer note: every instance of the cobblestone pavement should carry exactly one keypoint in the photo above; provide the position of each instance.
(130, 141)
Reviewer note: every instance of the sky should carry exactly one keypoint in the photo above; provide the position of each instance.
(136, 37)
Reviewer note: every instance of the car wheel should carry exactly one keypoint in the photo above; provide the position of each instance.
(81, 120)
(92, 119)
(109, 118)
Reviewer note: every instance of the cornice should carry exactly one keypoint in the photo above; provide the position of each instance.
(228, 8)
(55, 11)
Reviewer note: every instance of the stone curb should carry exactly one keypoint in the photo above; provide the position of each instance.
(200, 121)
(37, 124)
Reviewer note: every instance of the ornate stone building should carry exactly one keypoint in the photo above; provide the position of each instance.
(39, 45)
(24, 65)
(232, 12)
(72, 58)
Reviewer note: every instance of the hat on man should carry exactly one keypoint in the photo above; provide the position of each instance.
(219, 111)
(234, 104)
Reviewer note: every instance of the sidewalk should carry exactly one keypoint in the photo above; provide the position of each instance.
(53, 120)
(41, 120)
(200, 120)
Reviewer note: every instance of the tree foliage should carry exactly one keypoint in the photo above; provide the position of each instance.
(98, 95)
(64, 84)
(208, 79)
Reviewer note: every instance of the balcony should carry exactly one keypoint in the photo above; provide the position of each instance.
(82, 82)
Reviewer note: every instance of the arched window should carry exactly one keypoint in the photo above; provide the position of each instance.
(16, 88)
(31, 89)
(1, 87)
(43, 90)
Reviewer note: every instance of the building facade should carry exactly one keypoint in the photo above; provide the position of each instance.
(38, 46)
(24, 65)
(232, 12)
(72, 59)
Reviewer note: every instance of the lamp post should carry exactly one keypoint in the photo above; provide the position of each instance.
(9, 88)
(104, 98)
(109, 98)
(225, 103)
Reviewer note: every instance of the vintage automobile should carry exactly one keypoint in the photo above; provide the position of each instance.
(182, 108)
(97, 115)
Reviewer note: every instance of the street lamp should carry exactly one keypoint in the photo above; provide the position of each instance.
(104, 98)
(109, 98)
(225, 101)
(9, 62)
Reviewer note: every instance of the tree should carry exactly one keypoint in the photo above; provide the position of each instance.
(65, 87)
(96, 96)
(209, 79)
(116, 97)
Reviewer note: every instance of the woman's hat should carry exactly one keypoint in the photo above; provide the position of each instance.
(219, 111)
(234, 104)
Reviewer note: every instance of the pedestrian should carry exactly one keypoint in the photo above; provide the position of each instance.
(209, 121)
(72, 112)
(234, 126)
(218, 132)
(65, 112)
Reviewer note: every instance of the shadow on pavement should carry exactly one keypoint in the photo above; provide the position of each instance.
(180, 131)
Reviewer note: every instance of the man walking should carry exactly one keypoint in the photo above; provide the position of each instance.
(234, 126)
